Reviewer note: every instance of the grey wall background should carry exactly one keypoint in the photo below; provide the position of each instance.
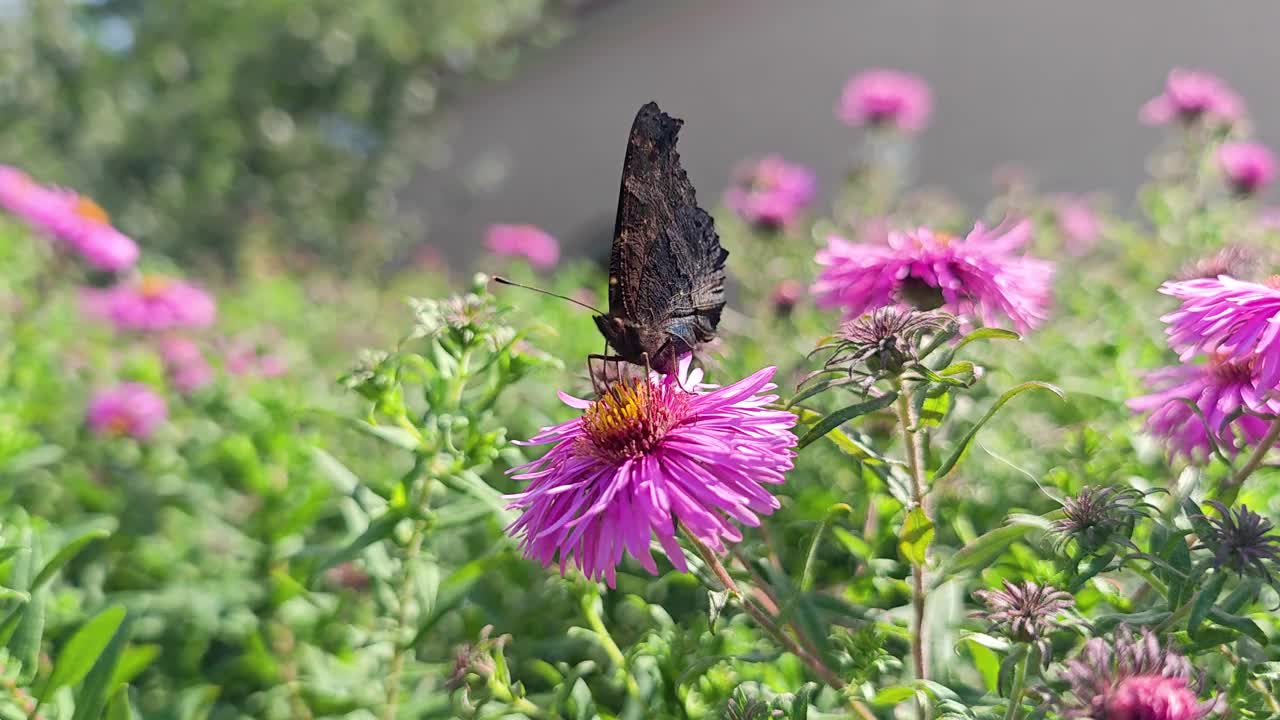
(1053, 87)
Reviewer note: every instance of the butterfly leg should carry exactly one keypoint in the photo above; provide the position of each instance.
(600, 383)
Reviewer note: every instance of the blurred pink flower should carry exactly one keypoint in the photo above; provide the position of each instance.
(786, 295)
(131, 409)
(1134, 678)
(152, 304)
(1218, 389)
(886, 97)
(1248, 166)
(69, 217)
(1078, 223)
(525, 241)
(188, 370)
(246, 356)
(978, 276)
(771, 192)
(652, 455)
(1234, 319)
(1190, 95)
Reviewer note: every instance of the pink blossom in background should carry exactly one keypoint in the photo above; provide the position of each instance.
(152, 304)
(70, 218)
(1269, 218)
(245, 356)
(1134, 678)
(1078, 223)
(524, 241)
(1235, 320)
(648, 455)
(771, 192)
(786, 295)
(886, 97)
(1218, 389)
(1191, 95)
(979, 276)
(1247, 166)
(185, 362)
(131, 409)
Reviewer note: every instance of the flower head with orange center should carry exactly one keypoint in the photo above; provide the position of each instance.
(152, 304)
(977, 277)
(128, 409)
(68, 217)
(649, 454)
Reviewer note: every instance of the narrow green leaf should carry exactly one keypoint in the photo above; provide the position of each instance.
(949, 464)
(135, 659)
(817, 388)
(934, 410)
(470, 483)
(76, 658)
(840, 417)
(1246, 592)
(800, 704)
(97, 688)
(343, 479)
(983, 550)
(1205, 600)
(378, 530)
(25, 643)
(1240, 624)
(917, 534)
(894, 695)
(811, 558)
(66, 555)
(987, 334)
(120, 708)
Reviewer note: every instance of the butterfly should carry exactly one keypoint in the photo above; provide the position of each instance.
(667, 267)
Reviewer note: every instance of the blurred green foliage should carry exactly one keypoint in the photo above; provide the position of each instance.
(210, 125)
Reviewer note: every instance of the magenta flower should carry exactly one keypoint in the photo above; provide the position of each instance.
(771, 192)
(1134, 679)
(1078, 223)
(152, 304)
(1190, 95)
(246, 356)
(1248, 166)
(188, 370)
(1233, 319)
(69, 217)
(524, 241)
(1219, 389)
(786, 295)
(647, 455)
(886, 97)
(977, 276)
(131, 409)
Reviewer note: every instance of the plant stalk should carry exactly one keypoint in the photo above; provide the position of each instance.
(915, 463)
(403, 593)
(1230, 488)
(610, 647)
(1018, 689)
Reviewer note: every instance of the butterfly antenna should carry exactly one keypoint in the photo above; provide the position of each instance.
(503, 281)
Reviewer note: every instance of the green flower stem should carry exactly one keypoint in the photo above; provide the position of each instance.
(403, 593)
(915, 463)
(1229, 489)
(1018, 689)
(767, 624)
(503, 694)
(610, 647)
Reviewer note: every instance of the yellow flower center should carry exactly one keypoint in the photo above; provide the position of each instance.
(91, 211)
(118, 425)
(152, 285)
(631, 418)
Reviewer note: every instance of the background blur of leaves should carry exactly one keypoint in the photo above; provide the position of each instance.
(204, 127)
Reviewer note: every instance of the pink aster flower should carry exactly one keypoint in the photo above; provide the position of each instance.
(786, 295)
(978, 276)
(68, 217)
(1248, 166)
(152, 304)
(771, 192)
(188, 370)
(246, 356)
(19, 194)
(647, 455)
(131, 409)
(1078, 223)
(1134, 679)
(524, 241)
(886, 97)
(1190, 95)
(1218, 390)
(1234, 319)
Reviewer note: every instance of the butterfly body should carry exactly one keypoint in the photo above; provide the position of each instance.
(667, 267)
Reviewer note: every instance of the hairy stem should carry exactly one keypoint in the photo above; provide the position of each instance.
(1019, 687)
(915, 463)
(610, 647)
(1230, 488)
(403, 593)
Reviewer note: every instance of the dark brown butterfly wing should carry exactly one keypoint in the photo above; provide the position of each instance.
(666, 271)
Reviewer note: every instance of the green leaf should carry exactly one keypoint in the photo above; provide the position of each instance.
(949, 464)
(817, 388)
(470, 483)
(985, 549)
(840, 417)
(1240, 624)
(25, 643)
(135, 659)
(811, 558)
(66, 555)
(1204, 601)
(987, 334)
(934, 410)
(917, 534)
(343, 479)
(119, 708)
(76, 658)
(378, 530)
(92, 698)
(800, 704)
(894, 695)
